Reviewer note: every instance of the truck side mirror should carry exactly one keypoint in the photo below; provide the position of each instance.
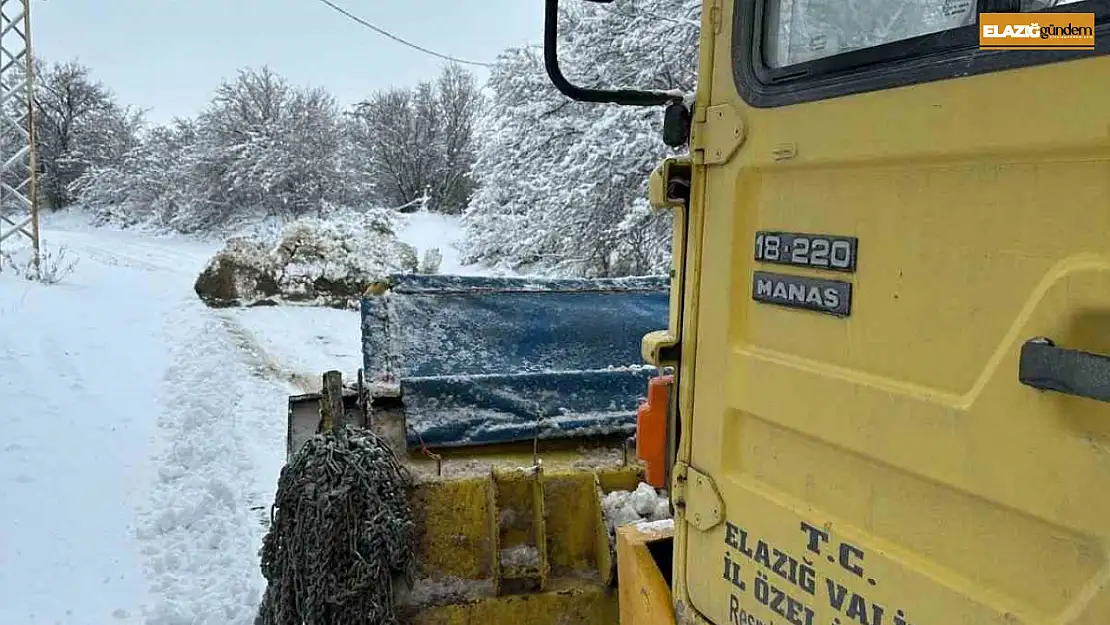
(625, 97)
(677, 117)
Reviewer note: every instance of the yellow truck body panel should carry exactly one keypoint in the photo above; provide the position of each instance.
(856, 444)
(644, 551)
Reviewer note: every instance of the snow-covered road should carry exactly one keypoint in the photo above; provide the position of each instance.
(140, 439)
(82, 369)
(142, 434)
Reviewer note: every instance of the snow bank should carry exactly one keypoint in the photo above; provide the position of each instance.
(326, 261)
(141, 444)
(218, 455)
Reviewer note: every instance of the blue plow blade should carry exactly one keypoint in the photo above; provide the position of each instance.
(480, 360)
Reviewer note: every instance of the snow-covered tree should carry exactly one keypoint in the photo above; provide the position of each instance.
(78, 125)
(563, 184)
(266, 146)
(153, 183)
(420, 140)
(262, 148)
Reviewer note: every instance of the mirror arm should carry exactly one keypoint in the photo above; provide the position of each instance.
(624, 97)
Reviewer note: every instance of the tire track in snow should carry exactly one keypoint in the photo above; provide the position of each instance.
(262, 361)
(222, 436)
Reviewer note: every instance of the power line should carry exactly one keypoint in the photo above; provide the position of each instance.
(382, 31)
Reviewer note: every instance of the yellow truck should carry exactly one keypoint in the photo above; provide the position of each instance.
(879, 396)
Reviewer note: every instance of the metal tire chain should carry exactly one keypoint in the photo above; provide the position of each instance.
(341, 532)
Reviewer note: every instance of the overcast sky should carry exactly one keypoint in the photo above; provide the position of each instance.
(168, 55)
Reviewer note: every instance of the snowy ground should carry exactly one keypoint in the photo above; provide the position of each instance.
(141, 433)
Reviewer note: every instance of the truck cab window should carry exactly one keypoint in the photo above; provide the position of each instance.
(797, 31)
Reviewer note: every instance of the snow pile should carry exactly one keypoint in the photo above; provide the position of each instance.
(317, 256)
(520, 557)
(327, 260)
(622, 507)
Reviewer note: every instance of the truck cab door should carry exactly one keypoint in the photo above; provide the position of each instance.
(897, 311)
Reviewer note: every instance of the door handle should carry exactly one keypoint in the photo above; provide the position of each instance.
(1047, 367)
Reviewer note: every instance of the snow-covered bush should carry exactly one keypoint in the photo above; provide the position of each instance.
(152, 184)
(79, 125)
(53, 266)
(329, 261)
(417, 143)
(262, 148)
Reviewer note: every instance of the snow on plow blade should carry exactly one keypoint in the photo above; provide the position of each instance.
(480, 360)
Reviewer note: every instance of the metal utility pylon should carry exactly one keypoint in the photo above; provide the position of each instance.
(19, 207)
